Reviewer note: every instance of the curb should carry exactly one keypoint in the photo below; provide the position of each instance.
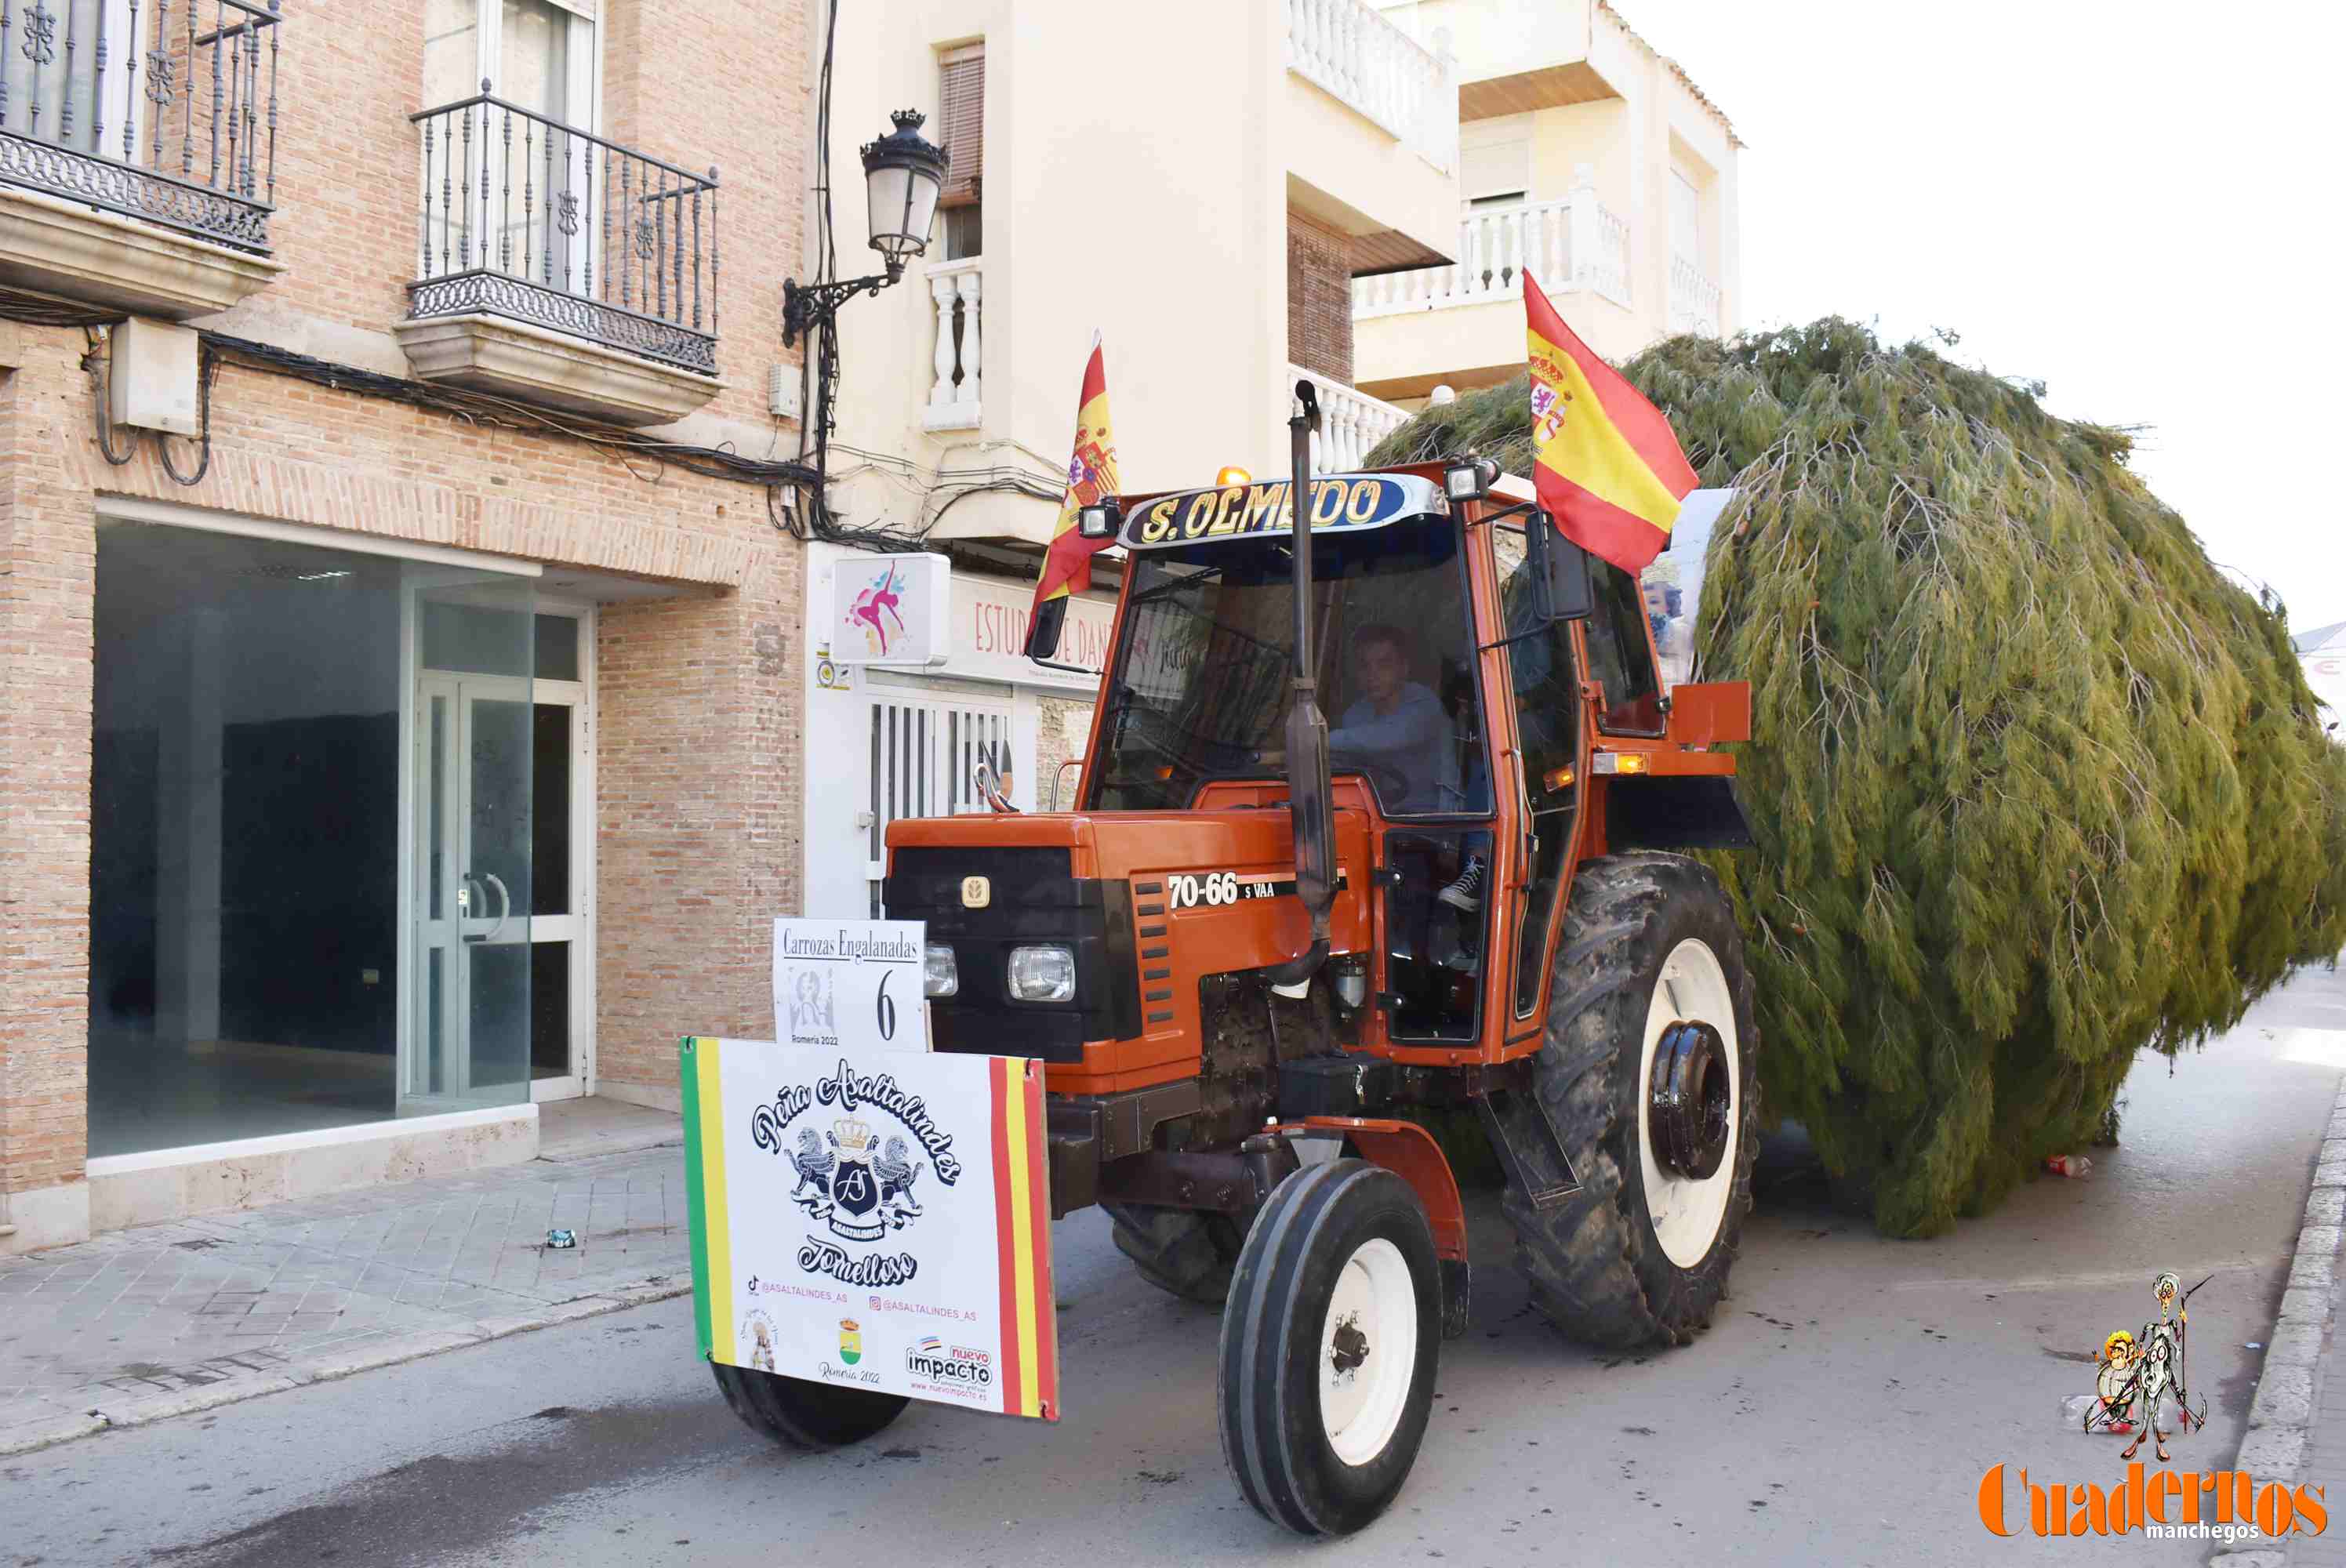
(333, 1365)
(2289, 1388)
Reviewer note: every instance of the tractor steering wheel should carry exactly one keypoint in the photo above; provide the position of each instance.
(1390, 782)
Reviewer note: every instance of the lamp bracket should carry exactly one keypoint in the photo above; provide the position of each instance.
(805, 304)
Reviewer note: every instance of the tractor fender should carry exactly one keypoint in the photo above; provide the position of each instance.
(1411, 1152)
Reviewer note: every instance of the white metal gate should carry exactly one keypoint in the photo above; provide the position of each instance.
(924, 751)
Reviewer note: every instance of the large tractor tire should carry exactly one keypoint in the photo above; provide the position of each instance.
(1658, 1114)
(798, 1413)
(1189, 1254)
(1330, 1347)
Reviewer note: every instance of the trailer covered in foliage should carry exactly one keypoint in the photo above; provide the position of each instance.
(2033, 784)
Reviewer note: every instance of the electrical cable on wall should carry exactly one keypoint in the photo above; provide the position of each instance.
(99, 366)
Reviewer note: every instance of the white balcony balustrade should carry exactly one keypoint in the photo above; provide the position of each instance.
(1573, 243)
(957, 293)
(1694, 298)
(1356, 57)
(1352, 423)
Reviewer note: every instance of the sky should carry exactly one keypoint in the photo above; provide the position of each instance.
(2122, 201)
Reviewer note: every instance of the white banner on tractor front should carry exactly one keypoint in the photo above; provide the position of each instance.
(851, 982)
(878, 1220)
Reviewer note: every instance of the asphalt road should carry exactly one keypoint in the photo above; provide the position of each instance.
(1842, 1408)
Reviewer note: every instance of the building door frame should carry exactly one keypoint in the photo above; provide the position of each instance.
(471, 922)
(577, 927)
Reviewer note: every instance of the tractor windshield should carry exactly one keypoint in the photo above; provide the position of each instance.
(1199, 688)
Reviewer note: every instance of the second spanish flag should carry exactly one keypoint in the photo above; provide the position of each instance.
(1607, 466)
(1091, 478)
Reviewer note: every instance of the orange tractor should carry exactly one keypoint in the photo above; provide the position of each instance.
(1269, 938)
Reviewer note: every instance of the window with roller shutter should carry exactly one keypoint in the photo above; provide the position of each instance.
(961, 99)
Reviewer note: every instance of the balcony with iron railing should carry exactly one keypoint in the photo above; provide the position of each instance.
(560, 267)
(139, 151)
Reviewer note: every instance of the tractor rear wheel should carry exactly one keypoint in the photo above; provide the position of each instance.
(801, 1413)
(1329, 1348)
(1647, 1077)
(1189, 1254)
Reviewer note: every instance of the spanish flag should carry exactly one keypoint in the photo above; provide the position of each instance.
(1091, 478)
(1607, 466)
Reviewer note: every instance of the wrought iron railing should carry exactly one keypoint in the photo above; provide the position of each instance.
(151, 111)
(528, 218)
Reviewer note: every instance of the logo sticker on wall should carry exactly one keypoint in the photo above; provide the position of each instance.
(878, 610)
(829, 675)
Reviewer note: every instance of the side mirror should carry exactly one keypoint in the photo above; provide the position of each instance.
(1043, 631)
(1559, 571)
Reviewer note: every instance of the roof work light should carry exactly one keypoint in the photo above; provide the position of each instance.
(1469, 478)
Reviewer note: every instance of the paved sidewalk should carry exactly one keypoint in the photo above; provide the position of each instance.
(2324, 1462)
(155, 1321)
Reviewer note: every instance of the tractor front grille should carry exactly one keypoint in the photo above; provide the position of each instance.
(1034, 898)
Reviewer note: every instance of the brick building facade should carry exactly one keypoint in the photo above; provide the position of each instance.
(340, 499)
(1318, 298)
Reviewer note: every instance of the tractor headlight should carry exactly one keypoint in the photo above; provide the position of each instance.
(1042, 974)
(938, 975)
(1097, 522)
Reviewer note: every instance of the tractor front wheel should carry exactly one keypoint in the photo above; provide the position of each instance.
(1329, 1348)
(1647, 1077)
(801, 1413)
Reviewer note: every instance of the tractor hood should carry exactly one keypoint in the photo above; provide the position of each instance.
(1148, 903)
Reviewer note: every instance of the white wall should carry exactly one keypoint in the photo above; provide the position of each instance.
(987, 666)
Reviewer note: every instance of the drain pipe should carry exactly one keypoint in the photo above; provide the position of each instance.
(1310, 803)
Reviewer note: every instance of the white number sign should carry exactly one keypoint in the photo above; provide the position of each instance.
(854, 983)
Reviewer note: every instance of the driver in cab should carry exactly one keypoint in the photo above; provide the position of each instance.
(1397, 727)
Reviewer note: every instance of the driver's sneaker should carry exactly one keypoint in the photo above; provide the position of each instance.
(1466, 892)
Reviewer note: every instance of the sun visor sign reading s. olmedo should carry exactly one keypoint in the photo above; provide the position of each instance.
(1340, 503)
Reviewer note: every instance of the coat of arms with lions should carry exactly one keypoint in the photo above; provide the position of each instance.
(852, 1182)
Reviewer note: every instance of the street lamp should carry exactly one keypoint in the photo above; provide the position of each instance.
(901, 176)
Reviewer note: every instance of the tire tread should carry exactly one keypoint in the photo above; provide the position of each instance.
(1587, 1260)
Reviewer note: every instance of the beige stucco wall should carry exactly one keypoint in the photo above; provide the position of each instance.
(1158, 218)
(1628, 143)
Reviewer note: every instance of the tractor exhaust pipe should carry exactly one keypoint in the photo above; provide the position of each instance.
(1309, 794)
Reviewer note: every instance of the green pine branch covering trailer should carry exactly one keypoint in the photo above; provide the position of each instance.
(2033, 785)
